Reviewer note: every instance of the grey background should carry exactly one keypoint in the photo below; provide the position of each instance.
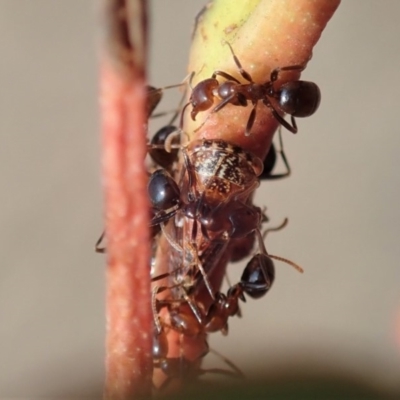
(342, 202)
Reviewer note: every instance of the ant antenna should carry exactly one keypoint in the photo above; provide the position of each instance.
(264, 250)
(285, 260)
(228, 362)
(275, 229)
(171, 241)
(168, 141)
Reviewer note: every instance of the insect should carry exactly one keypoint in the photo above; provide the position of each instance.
(209, 205)
(199, 215)
(202, 214)
(182, 361)
(256, 280)
(156, 148)
(214, 173)
(296, 98)
(168, 133)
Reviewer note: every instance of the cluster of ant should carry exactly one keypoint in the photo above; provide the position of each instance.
(202, 214)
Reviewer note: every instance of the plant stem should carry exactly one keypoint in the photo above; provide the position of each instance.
(123, 108)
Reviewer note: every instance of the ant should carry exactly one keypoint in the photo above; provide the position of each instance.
(156, 151)
(220, 177)
(256, 280)
(168, 134)
(297, 98)
(215, 183)
(185, 365)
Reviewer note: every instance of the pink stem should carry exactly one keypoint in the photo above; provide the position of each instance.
(123, 109)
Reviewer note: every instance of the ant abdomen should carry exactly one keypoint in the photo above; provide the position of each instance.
(161, 156)
(163, 191)
(258, 276)
(299, 98)
(160, 345)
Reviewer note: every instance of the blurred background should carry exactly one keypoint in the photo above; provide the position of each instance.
(338, 319)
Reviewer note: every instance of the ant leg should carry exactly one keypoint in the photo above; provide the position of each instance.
(191, 176)
(244, 73)
(175, 116)
(294, 125)
(228, 362)
(205, 277)
(218, 107)
(170, 240)
(250, 121)
(225, 75)
(187, 104)
(195, 310)
(285, 162)
(221, 105)
(276, 71)
(156, 318)
(176, 111)
(161, 276)
(154, 96)
(292, 128)
(97, 248)
(283, 155)
(163, 216)
(192, 249)
(275, 229)
(183, 114)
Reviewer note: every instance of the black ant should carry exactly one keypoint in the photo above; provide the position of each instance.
(297, 98)
(157, 152)
(188, 316)
(168, 133)
(256, 280)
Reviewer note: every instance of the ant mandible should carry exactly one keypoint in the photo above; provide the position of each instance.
(296, 98)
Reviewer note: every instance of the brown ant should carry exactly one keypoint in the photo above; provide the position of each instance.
(185, 366)
(297, 98)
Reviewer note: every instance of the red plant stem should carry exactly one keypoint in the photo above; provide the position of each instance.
(123, 109)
